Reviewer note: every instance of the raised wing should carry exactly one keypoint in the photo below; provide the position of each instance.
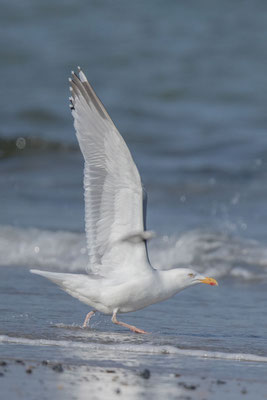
(112, 186)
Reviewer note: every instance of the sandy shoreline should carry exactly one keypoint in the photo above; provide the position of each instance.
(21, 379)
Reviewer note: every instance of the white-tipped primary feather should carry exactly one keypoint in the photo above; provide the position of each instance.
(112, 187)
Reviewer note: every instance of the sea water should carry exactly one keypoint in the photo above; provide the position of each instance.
(186, 87)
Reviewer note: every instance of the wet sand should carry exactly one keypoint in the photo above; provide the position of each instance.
(21, 379)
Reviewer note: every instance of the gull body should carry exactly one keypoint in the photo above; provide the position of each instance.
(125, 295)
(119, 277)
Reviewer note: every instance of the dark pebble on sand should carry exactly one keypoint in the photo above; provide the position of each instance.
(44, 362)
(3, 363)
(58, 368)
(29, 370)
(118, 391)
(219, 382)
(244, 391)
(188, 387)
(145, 374)
(2, 374)
(20, 362)
(110, 371)
(177, 375)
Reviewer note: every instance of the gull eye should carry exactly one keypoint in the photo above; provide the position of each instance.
(191, 275)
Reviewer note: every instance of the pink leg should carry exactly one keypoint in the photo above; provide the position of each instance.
(87, 318)
(131, 327)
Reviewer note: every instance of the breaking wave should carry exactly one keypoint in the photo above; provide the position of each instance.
(213, 253)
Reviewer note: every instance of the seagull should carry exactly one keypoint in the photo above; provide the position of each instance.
(120, 278)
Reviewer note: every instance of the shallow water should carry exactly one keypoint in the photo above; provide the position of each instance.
(201, 330)
(186, 87)
(204, 331)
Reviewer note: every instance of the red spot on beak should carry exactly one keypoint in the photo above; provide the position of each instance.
(209, 281)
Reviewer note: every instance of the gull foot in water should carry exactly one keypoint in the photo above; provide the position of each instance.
(136, 330)
(87, 318)
(131, 327)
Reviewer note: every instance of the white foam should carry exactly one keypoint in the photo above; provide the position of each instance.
(137, 348)
(33, 247)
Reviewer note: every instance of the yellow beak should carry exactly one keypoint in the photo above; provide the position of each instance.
(209, 281)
